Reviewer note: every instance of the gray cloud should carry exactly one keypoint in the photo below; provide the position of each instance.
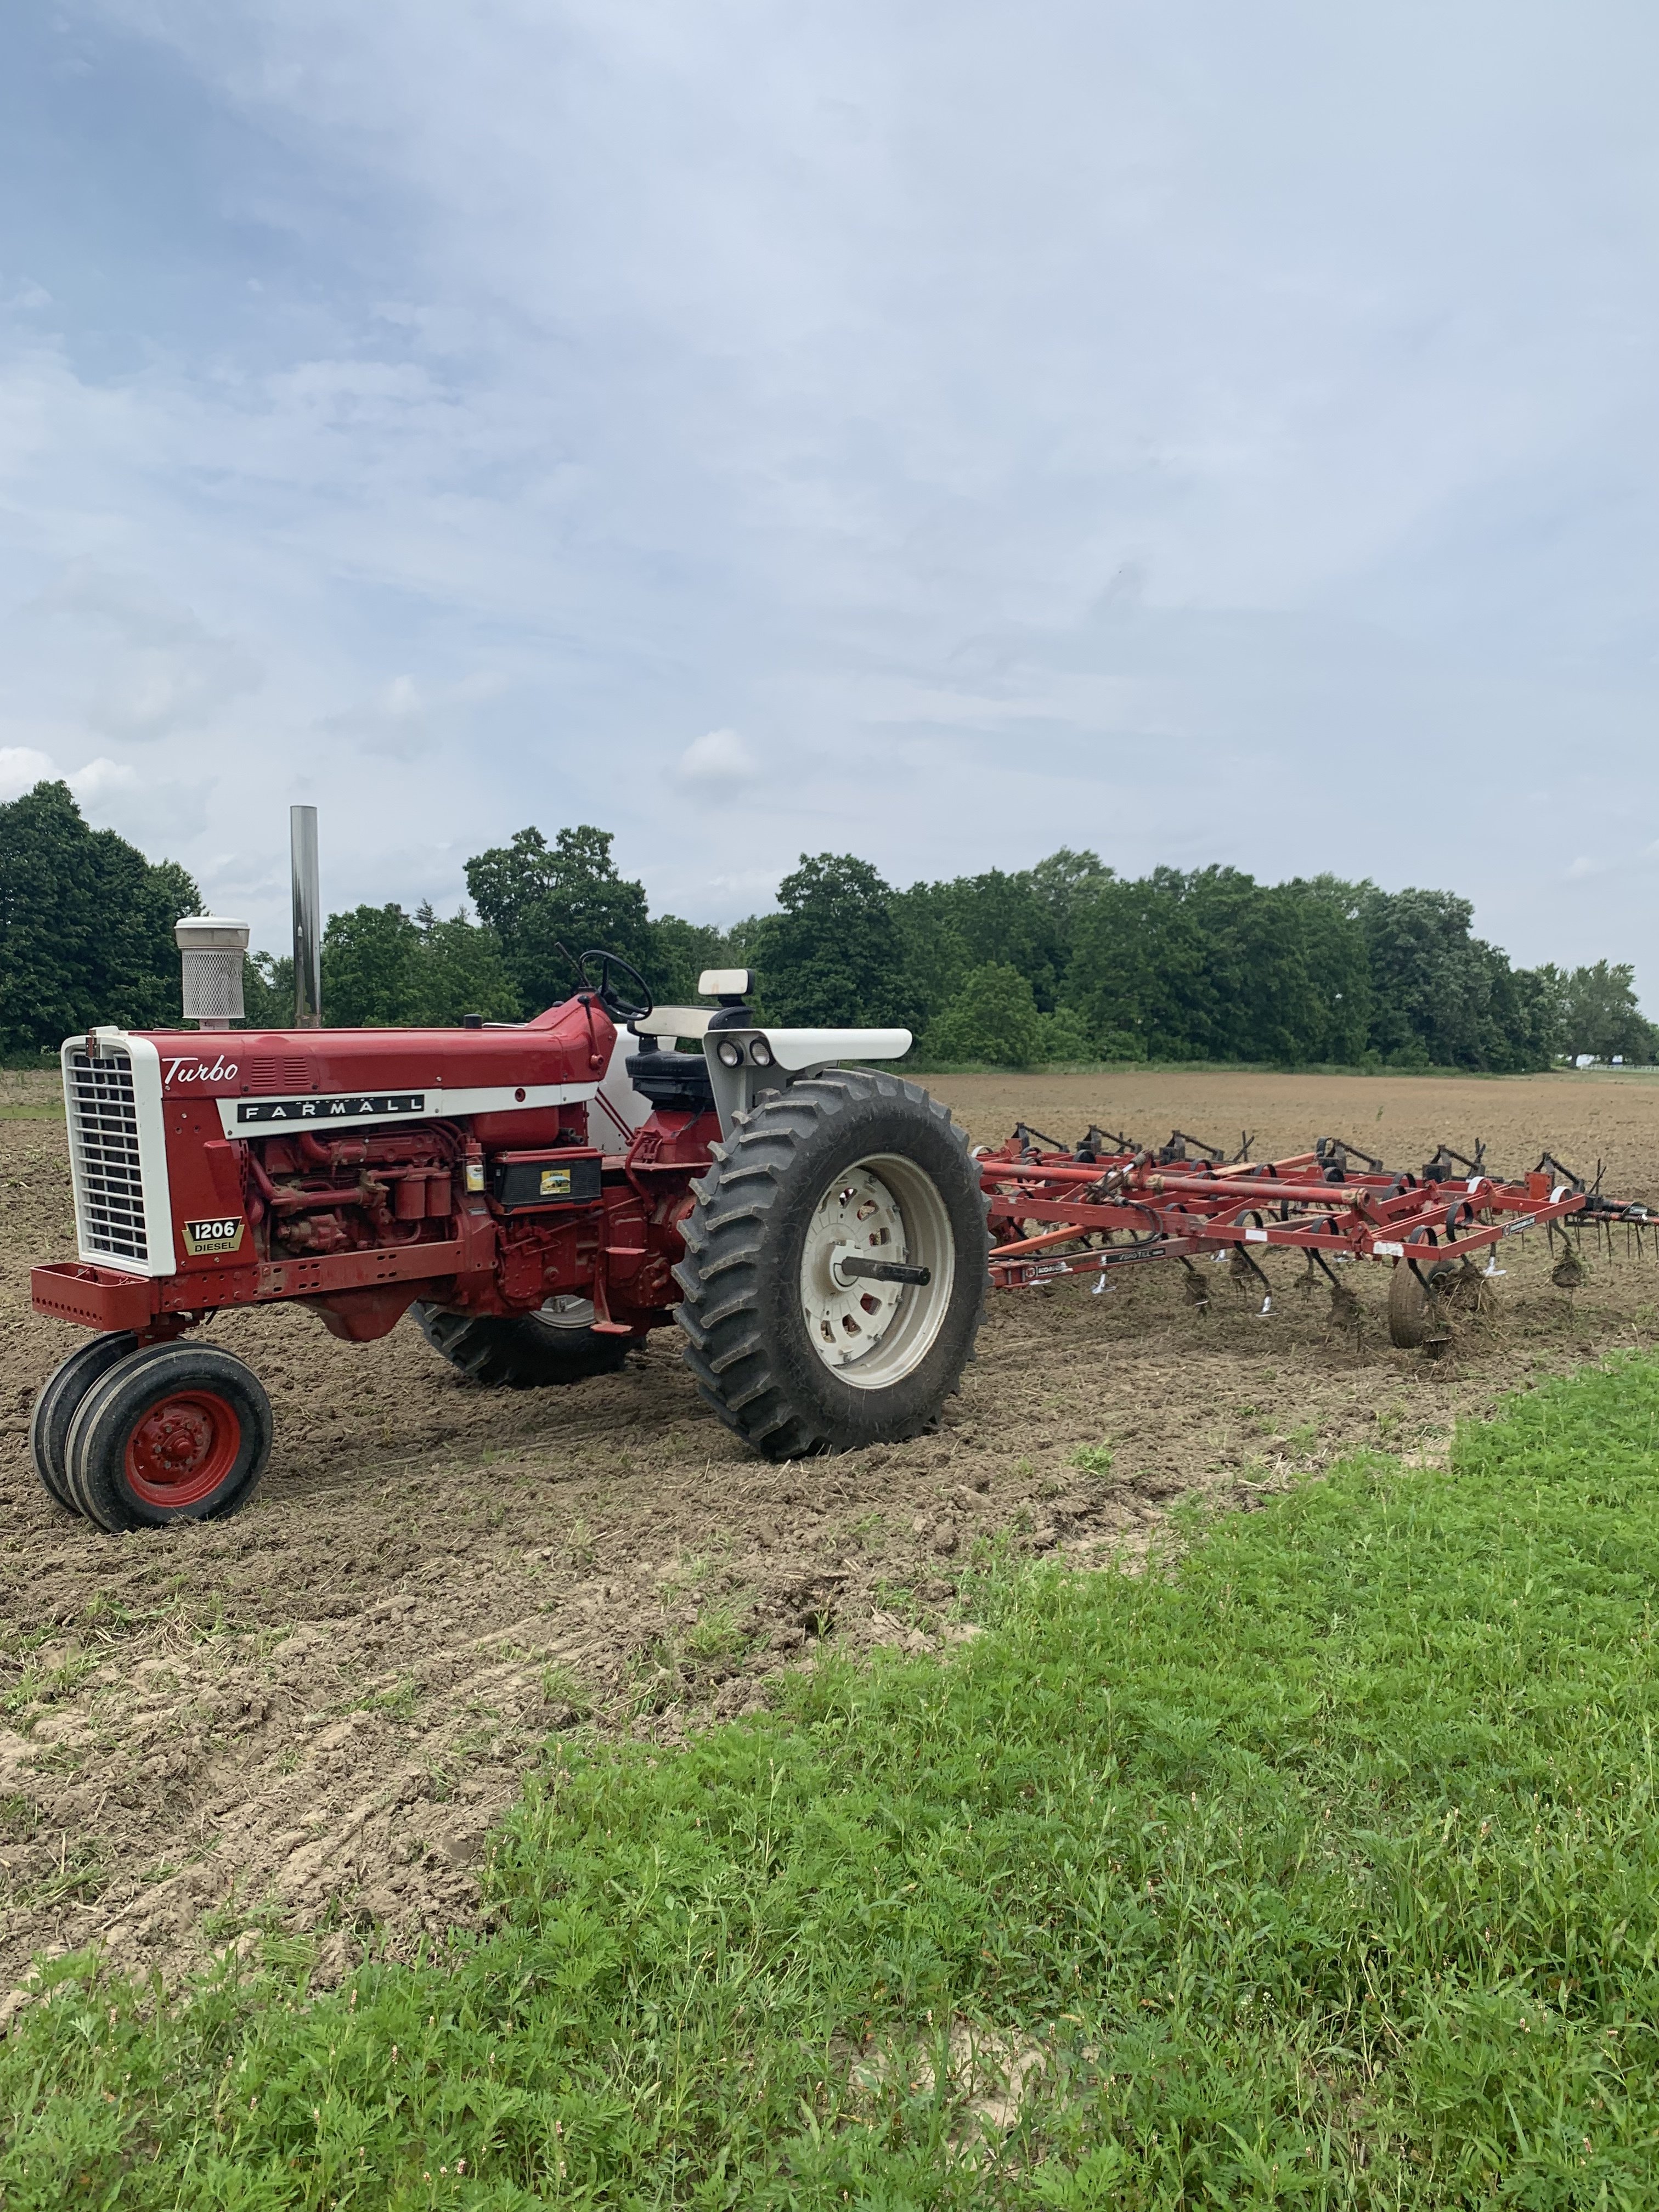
(716, 765)
(1214, 435)
(142, 665)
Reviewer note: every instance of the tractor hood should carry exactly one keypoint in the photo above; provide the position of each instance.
(261, 1080)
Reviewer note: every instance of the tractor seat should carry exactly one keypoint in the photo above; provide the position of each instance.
(679, 1080)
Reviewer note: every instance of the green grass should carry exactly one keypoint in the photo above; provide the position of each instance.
(1319, 1868)
(1093, 1459)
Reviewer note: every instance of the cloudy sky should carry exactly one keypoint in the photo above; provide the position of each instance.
(940, 432)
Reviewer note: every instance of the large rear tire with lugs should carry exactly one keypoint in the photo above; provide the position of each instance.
(530, 1352)
(845, 1169)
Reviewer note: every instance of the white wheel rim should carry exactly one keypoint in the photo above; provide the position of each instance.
(569, 1313)
(873, 1334)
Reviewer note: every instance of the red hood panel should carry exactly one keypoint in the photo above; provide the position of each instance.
(287, 1063)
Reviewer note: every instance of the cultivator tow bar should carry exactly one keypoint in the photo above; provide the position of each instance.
(1087, 1212)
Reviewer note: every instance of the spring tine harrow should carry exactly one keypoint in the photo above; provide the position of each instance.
(1057, 1212)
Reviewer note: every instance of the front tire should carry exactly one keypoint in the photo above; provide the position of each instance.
(172, 1432)
(791, 1354)
(60, 1400)
(529, 1352)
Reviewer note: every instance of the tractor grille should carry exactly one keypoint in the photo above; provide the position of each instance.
(109, 1183)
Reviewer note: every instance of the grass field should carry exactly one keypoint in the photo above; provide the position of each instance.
(1316, 1866)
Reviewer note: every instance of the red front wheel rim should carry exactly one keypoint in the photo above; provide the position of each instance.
(182, 1448)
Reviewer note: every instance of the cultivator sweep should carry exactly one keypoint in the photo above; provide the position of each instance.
(1107, 1203)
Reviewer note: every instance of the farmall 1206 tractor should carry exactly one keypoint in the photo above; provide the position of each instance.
(536, 1196)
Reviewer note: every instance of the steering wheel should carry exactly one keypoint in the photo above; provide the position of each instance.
(619, 1008)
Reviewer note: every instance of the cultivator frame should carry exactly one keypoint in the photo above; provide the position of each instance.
(1106, 1203)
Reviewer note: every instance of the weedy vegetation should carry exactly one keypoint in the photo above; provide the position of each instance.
(1316, 1866)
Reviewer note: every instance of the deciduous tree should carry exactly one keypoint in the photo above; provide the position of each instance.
(536, 896)
(86, 925)
(831, 955)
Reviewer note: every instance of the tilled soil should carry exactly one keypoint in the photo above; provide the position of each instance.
(302, 1721)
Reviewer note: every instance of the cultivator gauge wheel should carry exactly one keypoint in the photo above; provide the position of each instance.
(1413, 1310)
(171, 1432)
(1429, 1302)
(835, 1272)
(541, 1351)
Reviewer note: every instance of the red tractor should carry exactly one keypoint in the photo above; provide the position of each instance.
(536, 1196)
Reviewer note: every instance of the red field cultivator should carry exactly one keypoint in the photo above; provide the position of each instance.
(1107, 1204)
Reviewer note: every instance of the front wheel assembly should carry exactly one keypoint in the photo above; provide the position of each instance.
(168, 1432)
(60, 1400)
(836, 1266)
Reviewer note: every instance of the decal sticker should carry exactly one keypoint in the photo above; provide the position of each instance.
(556, 1182)
(252, 1110)
(198, 1071)
(224, 1234)
(1383, 1250)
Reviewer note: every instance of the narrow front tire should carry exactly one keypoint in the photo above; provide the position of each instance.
(60, 1400)
(172, 1432)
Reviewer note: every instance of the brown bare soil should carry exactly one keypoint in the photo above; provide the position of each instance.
(306, 1719)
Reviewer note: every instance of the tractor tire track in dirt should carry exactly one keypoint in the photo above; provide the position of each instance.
(298, 1725)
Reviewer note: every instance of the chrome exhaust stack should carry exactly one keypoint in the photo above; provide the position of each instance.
(307, 918)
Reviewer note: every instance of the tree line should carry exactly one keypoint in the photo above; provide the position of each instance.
(1064, 963)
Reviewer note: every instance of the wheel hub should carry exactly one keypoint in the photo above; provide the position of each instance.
(848, 1316)
(870, 1333)
(182, 1448)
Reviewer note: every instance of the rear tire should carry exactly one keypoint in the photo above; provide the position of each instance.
(527, 1352)
(793, 1358)
(172, 1432)
(58, 1403)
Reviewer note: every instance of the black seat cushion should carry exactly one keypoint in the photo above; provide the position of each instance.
(676, 1079)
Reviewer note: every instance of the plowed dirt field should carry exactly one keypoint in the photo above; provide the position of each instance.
(303, 1721)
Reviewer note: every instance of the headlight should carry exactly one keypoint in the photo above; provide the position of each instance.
(729, 1055)
(761, 1052)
